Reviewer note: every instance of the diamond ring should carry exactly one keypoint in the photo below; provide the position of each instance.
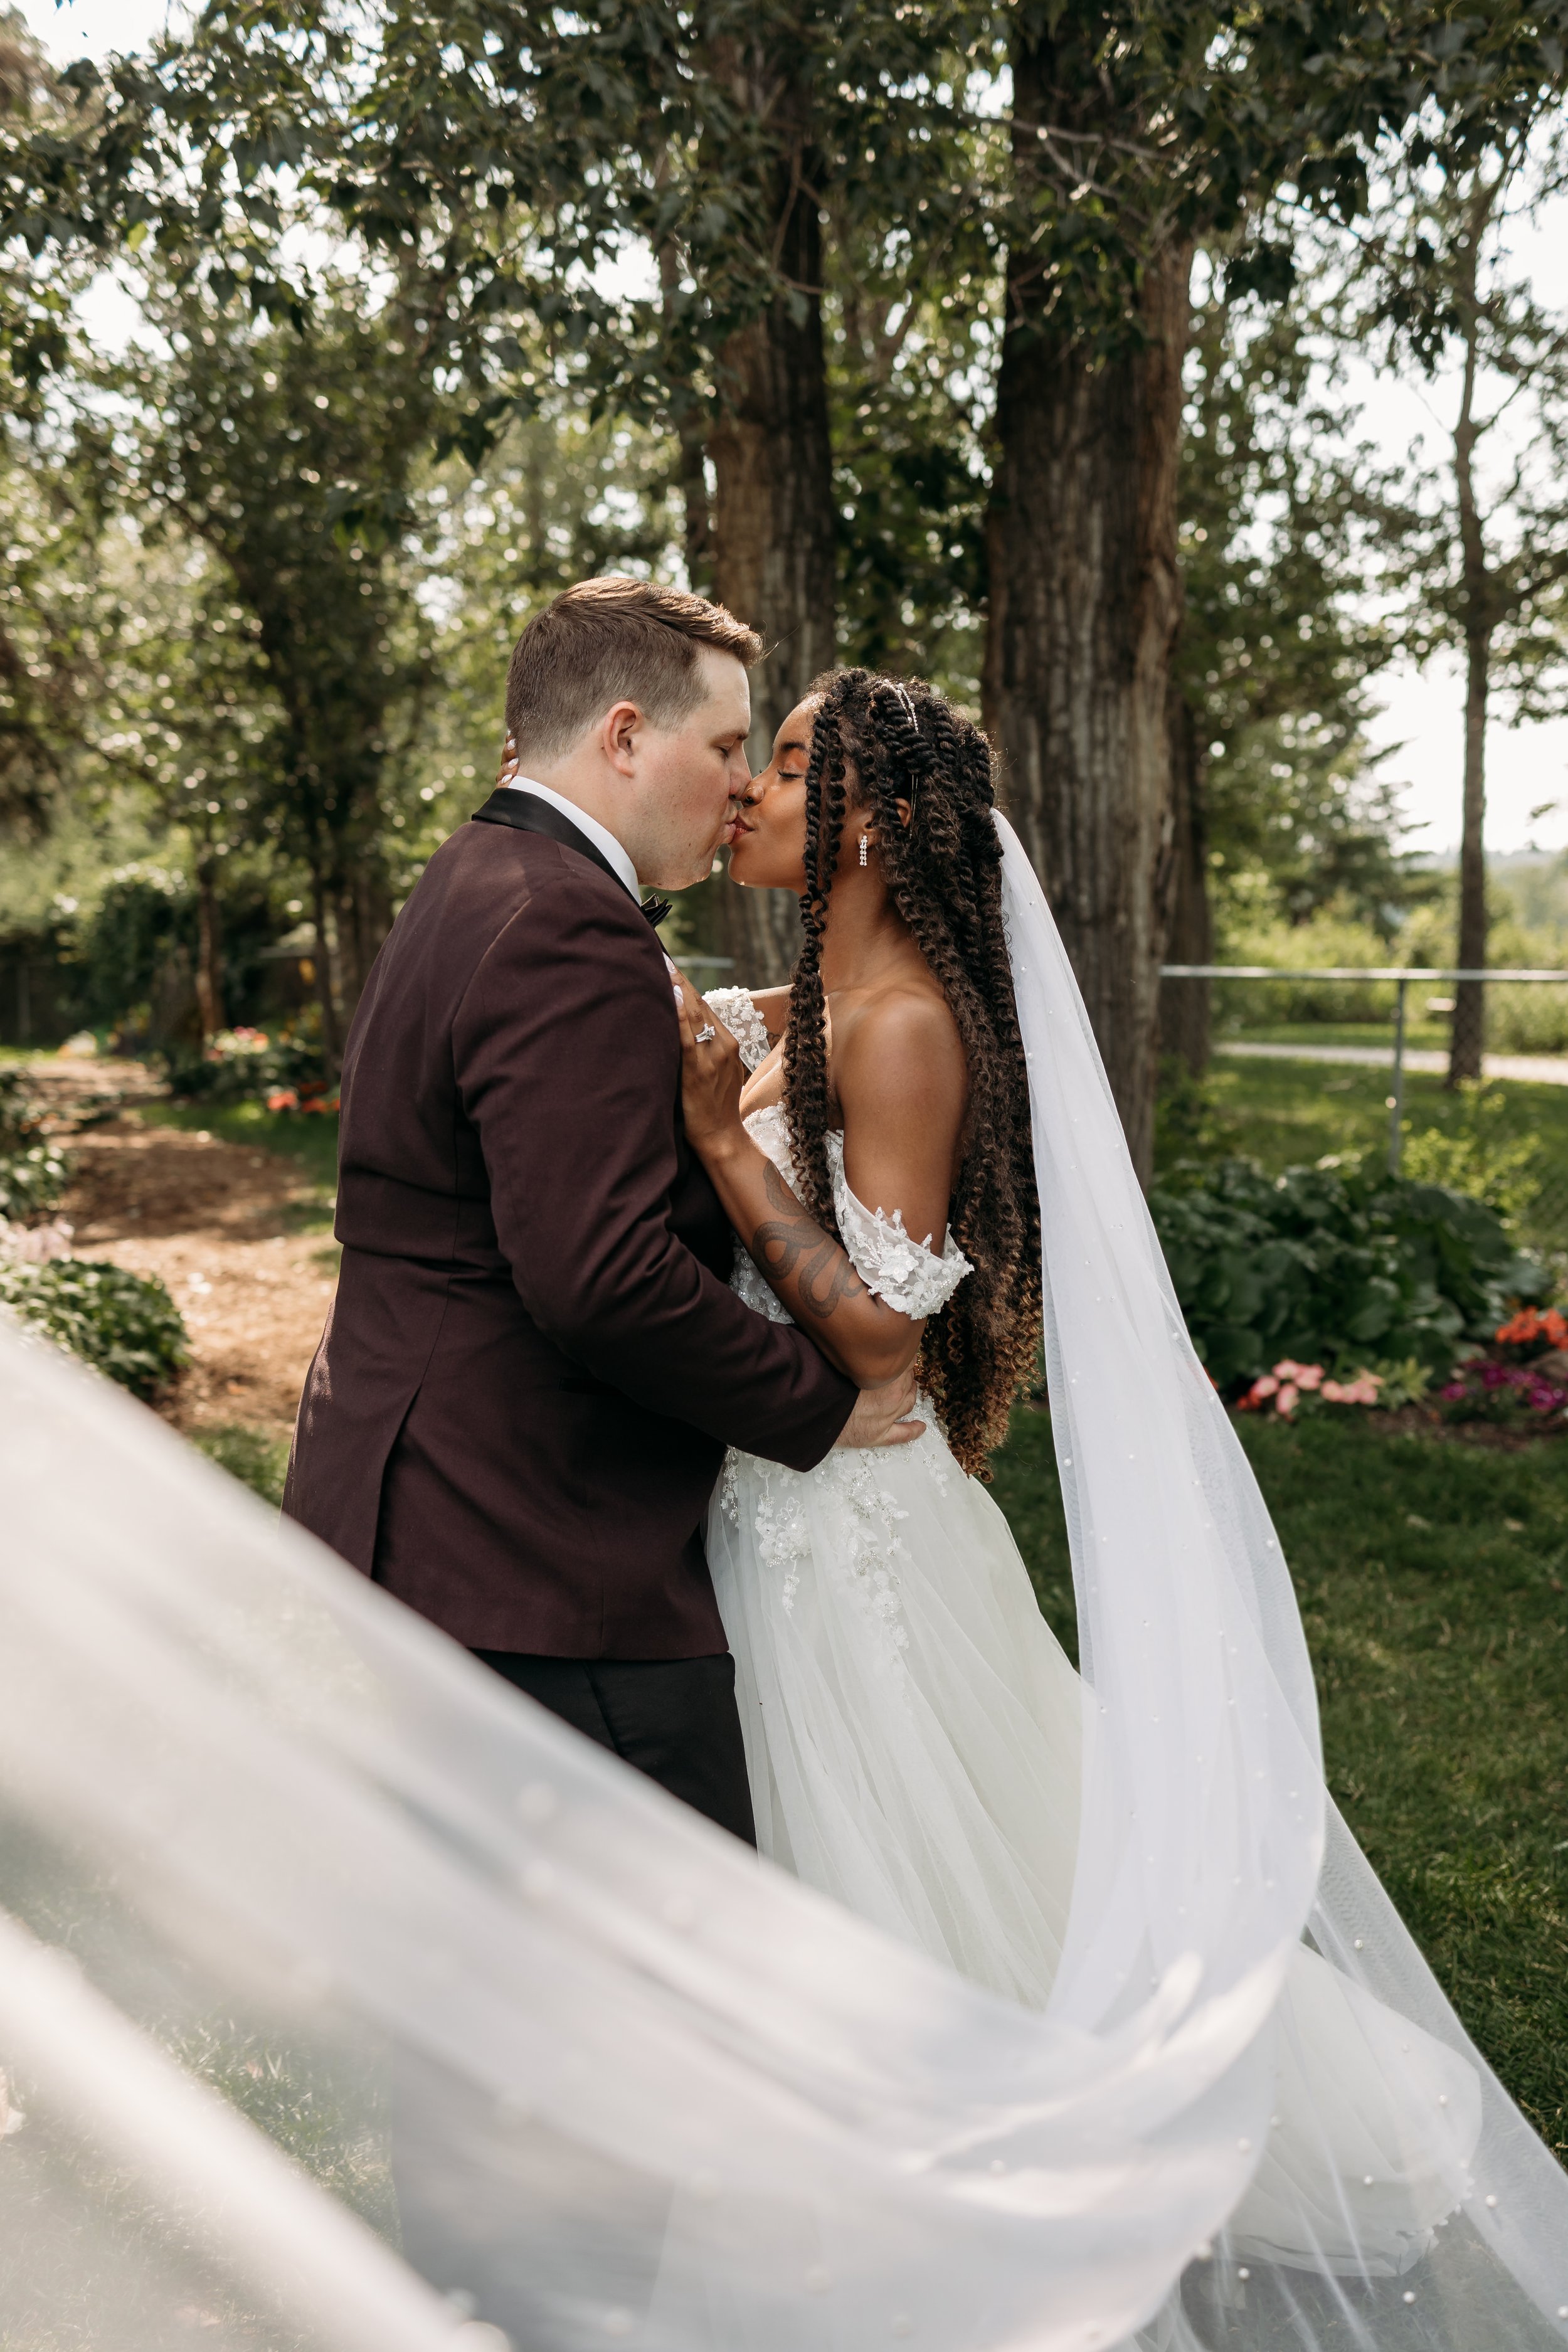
(705, 1035)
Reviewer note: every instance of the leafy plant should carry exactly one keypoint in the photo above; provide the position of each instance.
(31, 1183)
(18, 1111)
(125, 1325)
(1512, 1394)
(253, 1065)
(1332, 1265)
(1480, 1155)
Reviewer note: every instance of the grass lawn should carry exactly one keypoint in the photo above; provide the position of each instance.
(1286, 1113)
(1431, 1034)
(1433, 1579)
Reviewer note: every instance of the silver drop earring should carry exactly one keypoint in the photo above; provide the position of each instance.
(864, 840)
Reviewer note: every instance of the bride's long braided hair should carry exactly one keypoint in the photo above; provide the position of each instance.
(944, 872)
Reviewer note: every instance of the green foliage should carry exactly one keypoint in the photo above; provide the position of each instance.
(1252, 933)
(1278, 652)
(253, 1066)
(254, 1456)
(1483, 1155)
(140, 939)
(1332, 1265)
(125, 1325)
(32, 1183)
(18, 1111)
(32, 1175)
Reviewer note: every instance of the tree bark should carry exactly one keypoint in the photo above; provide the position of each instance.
(1184, 1004)
(774, 524)
(1468, 1040)
(1085, 605)
(209, 948)
(364, 912)
(326, 991)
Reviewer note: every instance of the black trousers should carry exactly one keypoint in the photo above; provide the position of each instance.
(674, 1719)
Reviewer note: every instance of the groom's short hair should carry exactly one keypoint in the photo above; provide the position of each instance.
(608, 641)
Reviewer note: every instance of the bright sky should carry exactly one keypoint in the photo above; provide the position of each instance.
(1423, 713)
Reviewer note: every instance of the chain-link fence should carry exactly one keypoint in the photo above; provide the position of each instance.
(1527, 1022)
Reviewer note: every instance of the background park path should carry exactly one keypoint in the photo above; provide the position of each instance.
(241, 1236)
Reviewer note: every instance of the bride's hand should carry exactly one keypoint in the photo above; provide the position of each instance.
(711, 1073)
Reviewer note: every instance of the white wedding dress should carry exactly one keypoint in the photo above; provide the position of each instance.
(913, 1737)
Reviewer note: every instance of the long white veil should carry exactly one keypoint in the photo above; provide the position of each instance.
(347, 1999)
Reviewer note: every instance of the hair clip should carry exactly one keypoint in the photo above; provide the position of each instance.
(907, 698)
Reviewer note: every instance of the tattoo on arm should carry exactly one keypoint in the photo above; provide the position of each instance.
(794, 1243)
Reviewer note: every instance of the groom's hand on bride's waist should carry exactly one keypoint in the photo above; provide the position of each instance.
(885, 1415)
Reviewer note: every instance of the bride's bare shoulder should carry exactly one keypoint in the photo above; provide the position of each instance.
(903, 1045)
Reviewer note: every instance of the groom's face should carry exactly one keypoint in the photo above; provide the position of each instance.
(690, 776)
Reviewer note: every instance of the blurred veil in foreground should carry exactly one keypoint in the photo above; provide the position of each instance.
(348, 2001)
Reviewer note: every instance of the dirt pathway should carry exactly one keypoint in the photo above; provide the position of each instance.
(241, 1236)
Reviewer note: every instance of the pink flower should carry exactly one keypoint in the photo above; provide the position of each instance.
(284, 1100)
(1306, 1376)
(1286, 1400)
(1263, 1386)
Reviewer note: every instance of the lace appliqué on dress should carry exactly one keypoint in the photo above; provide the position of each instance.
(893, 1265)
(744, 1023)
(843, 1500)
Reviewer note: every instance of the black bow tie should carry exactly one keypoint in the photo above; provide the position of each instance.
(656, 910)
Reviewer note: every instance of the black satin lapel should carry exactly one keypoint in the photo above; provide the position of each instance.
(524, 813)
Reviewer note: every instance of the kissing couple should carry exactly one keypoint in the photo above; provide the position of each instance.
(673, 1336)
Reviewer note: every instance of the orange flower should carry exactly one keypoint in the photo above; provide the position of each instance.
(1530, 1324)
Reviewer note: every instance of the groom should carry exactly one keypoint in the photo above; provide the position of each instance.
(533, 1363)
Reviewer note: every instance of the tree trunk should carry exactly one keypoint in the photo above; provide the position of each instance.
(326, 991)
(364, 912)
(774, 524)
(1084, 604)
(209, 948)
(1184, 1004)
(1468, 1037)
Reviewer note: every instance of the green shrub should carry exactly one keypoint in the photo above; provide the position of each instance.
(18, 1111)
(1483, 1154)
(1528, 1020)
(31, 1184)
(1332, 1265)
(1327, 939)
(252, 1066)
(125, 1325)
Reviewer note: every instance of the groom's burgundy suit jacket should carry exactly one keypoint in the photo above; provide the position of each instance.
(533, 1363)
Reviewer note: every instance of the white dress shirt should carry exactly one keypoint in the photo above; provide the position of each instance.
(603, 839)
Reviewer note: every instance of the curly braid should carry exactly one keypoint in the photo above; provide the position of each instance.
(944, 872)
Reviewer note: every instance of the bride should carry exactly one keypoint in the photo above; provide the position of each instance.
(911, 1725)
(914, 1733)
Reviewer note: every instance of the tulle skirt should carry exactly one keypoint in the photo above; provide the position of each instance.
(914, 1734)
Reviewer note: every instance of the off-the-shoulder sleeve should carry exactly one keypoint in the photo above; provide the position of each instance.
(744, 1023)
(891, 1263)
